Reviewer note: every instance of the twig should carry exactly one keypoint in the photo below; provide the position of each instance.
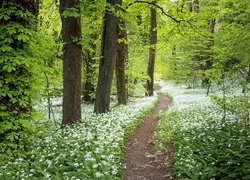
(157, 6)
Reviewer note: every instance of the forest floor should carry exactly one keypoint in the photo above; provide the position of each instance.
(142, 162)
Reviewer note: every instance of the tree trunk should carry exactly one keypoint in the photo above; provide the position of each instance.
(72, 59)
(208, 52)
(246, 86)
(196, 6)
(189, 5)
(122, 58)
(107, 62)
(89, 86)
(152, 51)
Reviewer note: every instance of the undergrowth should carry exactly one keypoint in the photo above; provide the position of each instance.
(90, 149)
(205, 145)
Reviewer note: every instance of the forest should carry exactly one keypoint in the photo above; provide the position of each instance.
(81, 79)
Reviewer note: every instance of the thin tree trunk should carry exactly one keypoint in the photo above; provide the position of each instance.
(89, 86)
(247, 81)
(121, 61)
(72, 59)
(208, 51)
(107, 62)
(196, 6)
(48, 95)
(152, 51)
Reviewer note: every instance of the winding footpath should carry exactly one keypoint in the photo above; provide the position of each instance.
(141, 160)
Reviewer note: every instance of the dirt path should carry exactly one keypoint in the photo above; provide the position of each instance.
(141, 161)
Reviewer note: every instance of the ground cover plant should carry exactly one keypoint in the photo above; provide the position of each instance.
(206, 146)
(117, 49)
(91, 149)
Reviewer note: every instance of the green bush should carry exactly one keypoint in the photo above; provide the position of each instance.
(17, 29)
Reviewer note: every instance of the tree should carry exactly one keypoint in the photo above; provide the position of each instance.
(89, 85)
(152, 52)
(108, 58)
(18, 24)
(72, 59)
(122, 59)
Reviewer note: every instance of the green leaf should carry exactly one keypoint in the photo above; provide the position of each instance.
(71, 12)
(6, 48)
(22, 37)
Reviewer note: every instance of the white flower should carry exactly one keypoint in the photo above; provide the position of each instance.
(76, 164)
(114, 171)
(49, 162)
(47, 175)
(98, 174)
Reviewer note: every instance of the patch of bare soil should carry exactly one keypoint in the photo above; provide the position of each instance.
(141, 160)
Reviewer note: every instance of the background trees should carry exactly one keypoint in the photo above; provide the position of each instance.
(49, 51)
(199, 43)
(92, 24)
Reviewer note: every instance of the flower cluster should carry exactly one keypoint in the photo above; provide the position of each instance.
(90, 149)
(206, 146)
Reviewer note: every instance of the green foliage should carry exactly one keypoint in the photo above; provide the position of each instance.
(49, 53)
(238, 105)
(211, 143)
(17, 78)
(213, 152)
(71, 12)
(138, 23)
(205, 146)
(92, 27)
(90, 149)
(208, 43)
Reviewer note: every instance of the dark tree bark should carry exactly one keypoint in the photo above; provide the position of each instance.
(107, 62)
(152, 52)
(122, 58)
(72, 59)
